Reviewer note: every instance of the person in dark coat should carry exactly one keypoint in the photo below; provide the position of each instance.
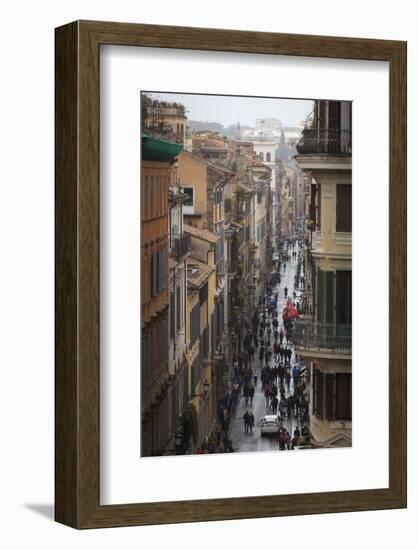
(246, 393)
(251, 421)
(251, 393)
(246, 421)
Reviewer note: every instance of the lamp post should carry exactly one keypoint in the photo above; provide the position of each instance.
(178, 442)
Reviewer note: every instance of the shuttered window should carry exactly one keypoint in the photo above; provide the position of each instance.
(194, 323)
(330, 396)
(312, 212)
(318, 207)
(178, 306)
(320, 296)
(159, 271)
(325, 296)
(319, 393)
(344, 297)
(213, 324)
(172, 328)
(154, 274)
(344, 208)
(343, 396)
(204, 294)
(196, 371)
(160, 260)
(334, 114)
(329, 283)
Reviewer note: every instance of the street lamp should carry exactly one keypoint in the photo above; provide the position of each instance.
(178, 439)
(206, 387)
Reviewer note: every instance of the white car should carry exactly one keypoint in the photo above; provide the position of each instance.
(270, 424)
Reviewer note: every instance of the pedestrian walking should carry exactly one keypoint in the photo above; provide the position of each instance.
(251, 421)
(267, 394)
(288, 378)
(246, 421)
(246, 393)
(251, 393)
(282, 438)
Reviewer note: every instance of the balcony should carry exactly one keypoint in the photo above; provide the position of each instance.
(325, 141)
(313, 336)
(181, 246)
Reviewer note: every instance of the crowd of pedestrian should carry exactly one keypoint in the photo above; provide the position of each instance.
(266, 356)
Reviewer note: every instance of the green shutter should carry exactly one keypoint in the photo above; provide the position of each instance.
(329, 297)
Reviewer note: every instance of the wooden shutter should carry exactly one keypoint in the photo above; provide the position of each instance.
(312, 212)
(315, 372)
(343, 208)
(320, 296)
(343, 396)
(164, 269)
(172, 315)
(330, 396)
(344, 297)
(154, 274)
(329, 279)
(334, 114)
(318, 206)
(321, 119)
(178, 305)
(319, 396)
(195, 323)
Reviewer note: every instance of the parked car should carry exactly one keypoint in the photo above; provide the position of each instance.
(270, 424)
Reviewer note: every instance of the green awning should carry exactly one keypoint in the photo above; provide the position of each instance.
(159, 150)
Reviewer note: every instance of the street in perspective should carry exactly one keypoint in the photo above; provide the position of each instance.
(246, 274)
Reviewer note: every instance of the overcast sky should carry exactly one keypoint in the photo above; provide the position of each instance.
(230, 109)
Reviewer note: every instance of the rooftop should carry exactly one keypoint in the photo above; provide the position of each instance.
(197, 273)
(203, 234)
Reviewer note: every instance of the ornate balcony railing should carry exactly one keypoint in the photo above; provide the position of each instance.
(181, 246)
(325, 141)
(311, 335)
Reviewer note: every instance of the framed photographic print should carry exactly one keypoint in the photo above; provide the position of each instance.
(230, 274)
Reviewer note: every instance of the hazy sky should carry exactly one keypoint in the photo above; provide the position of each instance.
(230, 109)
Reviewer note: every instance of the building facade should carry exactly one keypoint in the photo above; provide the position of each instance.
(324, 338)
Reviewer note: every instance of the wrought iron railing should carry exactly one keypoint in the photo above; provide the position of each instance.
(311, 335)
(326, 141)
(181, 246)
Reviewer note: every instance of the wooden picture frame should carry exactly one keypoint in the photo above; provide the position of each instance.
(77, 359)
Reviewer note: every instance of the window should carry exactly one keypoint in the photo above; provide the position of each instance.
(344, 208)
(268, 157)
(172, 315)
(312, 205)
(261, 156)
(330, 396)
(194, 323)
(318, 207)
(344, 297)
(179, 308)
(318, 387)
(343, 396)
(159, 272)
(325, 296)
(190, 192)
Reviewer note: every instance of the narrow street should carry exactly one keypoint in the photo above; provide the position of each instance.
(245, 442)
